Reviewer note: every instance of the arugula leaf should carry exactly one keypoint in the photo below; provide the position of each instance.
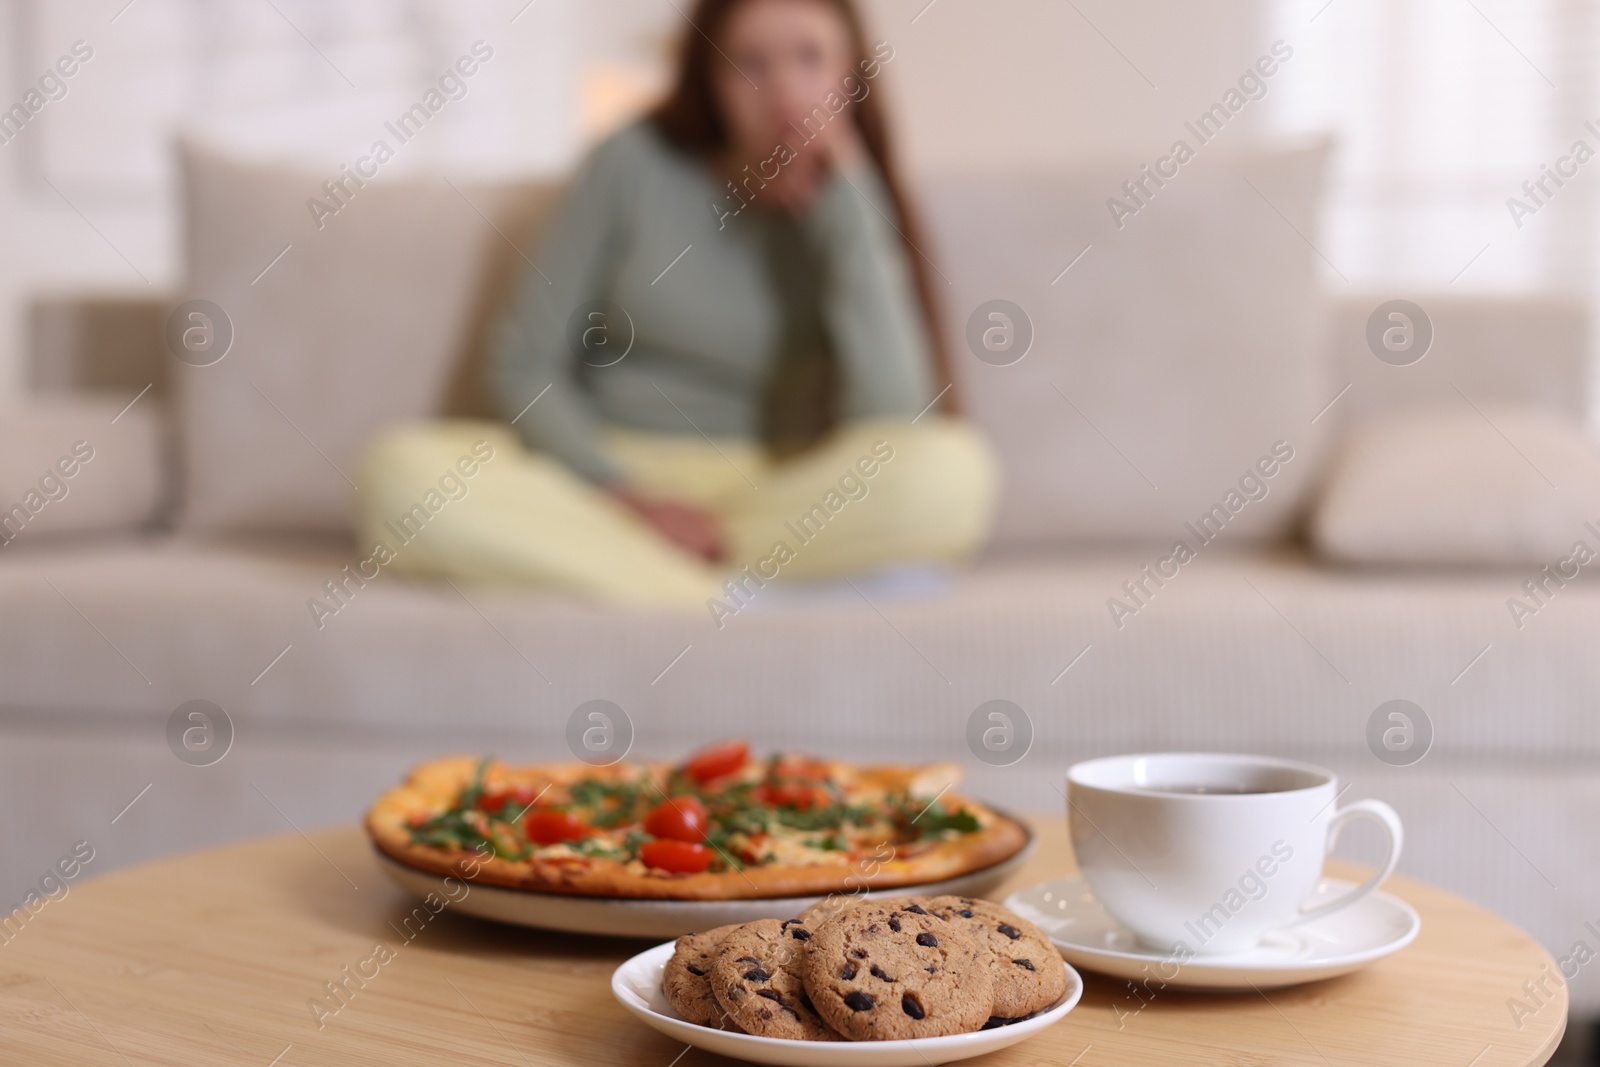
(719, 840)
(831, 843)
(474, 789)
(609, 804)
(937, 819)
(450, 829)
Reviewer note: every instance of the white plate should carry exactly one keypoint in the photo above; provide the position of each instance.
(614, 917)
(1376, 926)
(637, 986)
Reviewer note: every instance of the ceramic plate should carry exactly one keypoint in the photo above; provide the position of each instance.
(1373, 927)
(637, 986)
(616, 917)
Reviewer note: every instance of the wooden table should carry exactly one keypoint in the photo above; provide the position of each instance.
(212, 958)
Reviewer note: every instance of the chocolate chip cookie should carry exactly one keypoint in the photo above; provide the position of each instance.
(684, 979)
(885, 970)
(835, 903)
(1027, 971)
(828, 907)
(755, 977)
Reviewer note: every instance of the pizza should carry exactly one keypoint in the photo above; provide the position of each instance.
(720, 825)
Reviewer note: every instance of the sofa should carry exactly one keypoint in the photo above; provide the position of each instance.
(1167, 359)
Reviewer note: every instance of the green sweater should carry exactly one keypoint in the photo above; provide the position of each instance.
(716, 300)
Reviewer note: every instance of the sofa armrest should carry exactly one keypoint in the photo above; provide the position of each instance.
(88, 341)
(79, 465)
(1494, 348)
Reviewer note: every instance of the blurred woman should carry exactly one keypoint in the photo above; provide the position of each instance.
(726, 369)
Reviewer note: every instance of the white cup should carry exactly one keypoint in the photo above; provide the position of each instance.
(1206, 852)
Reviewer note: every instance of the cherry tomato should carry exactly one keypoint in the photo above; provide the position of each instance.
(801, 767)
(717, 760)
(678, 819)
(523, 796)
(676, 857)
(491, 802)
(789, 795)
(546, 826)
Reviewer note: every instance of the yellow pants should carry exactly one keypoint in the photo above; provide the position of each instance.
(873, 494)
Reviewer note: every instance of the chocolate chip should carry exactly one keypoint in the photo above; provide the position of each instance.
(909, 1005)
(747, 959)
(1010, 931)
(859, 1001)
(774, 995)
(927, 940)
(965, 913)
(894, 924)
(849, 971)
(800, 933)
(1024, 963)
(877, 972)
(696, 971)
(931, 969)
(757, 974)
(915, 909)
(872, 928)
(859, 953)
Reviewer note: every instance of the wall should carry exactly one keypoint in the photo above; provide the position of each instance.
(1024, 83)
(1016, 83)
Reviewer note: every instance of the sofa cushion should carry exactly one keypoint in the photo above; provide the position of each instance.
(369, 317)
(1165, 361)
(1493, 485)
(79, 465)
(1242, 651)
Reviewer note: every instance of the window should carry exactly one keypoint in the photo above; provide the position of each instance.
(293, 78)
(1442, 109)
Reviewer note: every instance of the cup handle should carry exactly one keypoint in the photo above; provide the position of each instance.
(1380, 812)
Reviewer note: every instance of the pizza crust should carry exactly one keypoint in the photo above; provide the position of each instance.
(435, 785)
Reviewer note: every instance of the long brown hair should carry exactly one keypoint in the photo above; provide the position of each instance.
(690, 118)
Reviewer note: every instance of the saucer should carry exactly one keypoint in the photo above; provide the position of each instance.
(1373, 927)
(637, 986)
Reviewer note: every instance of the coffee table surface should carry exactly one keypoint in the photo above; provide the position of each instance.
(213, 957)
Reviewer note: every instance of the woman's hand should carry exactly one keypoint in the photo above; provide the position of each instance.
(795, 188)
(692, 528)
(840, 144)
(837, 147)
